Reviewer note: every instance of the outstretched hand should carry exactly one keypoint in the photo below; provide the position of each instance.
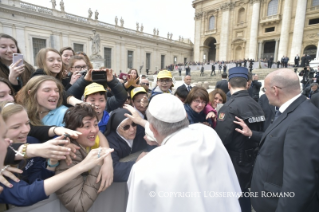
(135, 117)
(245, 129)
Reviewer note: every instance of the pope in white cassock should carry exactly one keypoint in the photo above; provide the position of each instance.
(189, 171)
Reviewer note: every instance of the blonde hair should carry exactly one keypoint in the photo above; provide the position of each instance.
(10, 109)
(41, 62)
(27, 97)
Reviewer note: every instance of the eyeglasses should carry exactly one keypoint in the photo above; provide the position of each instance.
(126, 127)
(165, 80)
(145, 84)
(264, 89)
(79, 67)
(199, 102)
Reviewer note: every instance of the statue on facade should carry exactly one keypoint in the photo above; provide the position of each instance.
(170, 36)
(137, 26)
(53, 3)
(179, 38)
(95, 44)
(116, 20)
(90, 13)
(142, 28)
(157, 32)
(122, 22)
(62, 5)
(154, 31)
(96, 15)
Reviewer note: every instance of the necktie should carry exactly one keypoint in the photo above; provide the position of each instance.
(277, 114)
(189, 88)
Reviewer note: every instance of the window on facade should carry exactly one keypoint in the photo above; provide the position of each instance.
(175, 60)
(212, 23)
(314, 21)
(37, 44)
(241, 15)
(270, 29)
(272, 8)
(108, 57)
(315, 3)
(162, 61)
(78, 47)
(148, 61)
(130, 59)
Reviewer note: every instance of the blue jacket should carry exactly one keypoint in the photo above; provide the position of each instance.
(156, 91)
(121, 150)
(103, 122)
(23, 194)
(36, 168)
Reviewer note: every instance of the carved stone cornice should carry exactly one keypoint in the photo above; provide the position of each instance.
(198, 15)
(253, 1)
(227, 6)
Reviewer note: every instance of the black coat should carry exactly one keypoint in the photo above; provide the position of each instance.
(183, 87)
(268, 109)
(121, 150)
(223, 84)
(288, 161)
(255, 86)
(240, 148)
(303, 61)
(315, 100)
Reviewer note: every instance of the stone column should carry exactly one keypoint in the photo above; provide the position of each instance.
(21, 40)
(197, 36)
(276, 50)
(7, 29)
(285, 28)
(298, 28)
(259, 49)
(317, 51)
(254, 30)
(223, 46)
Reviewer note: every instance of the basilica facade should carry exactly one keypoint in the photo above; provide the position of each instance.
(110, 44)
(255, 29)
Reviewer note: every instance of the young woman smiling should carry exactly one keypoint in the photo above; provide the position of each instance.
(42, 98)
(17, 75)
(50, 63)
(41, 189)
(82, 191)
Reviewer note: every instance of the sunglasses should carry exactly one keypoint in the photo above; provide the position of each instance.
(145, 84)
(126, 127)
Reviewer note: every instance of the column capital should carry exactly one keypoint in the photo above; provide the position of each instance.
(255, 1)
(227, 6)
(198, 15)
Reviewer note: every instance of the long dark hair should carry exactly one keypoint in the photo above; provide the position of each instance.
(4, 70)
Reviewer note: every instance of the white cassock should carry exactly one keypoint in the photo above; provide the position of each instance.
(191, 171)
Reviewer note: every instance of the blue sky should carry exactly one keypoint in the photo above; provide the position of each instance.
(173, 16)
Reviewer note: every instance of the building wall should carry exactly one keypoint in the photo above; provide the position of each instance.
(246, 39)
(25, 21)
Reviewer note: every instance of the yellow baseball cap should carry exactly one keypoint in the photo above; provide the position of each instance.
(164, 74)
(136, 91)
(93, 88)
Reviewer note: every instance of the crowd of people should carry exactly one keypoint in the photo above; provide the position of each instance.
(65, 131)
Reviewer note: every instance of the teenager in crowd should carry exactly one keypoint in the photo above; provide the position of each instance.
(66, 54)
(41, 189)
(17, 75)
(81, 192)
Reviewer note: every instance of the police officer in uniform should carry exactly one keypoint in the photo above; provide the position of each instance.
(241, 149)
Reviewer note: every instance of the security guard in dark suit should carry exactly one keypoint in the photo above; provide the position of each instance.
(241, 149)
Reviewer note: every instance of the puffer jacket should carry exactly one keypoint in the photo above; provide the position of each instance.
(79, 194)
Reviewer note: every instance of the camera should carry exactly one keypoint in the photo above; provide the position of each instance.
(97, 75)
